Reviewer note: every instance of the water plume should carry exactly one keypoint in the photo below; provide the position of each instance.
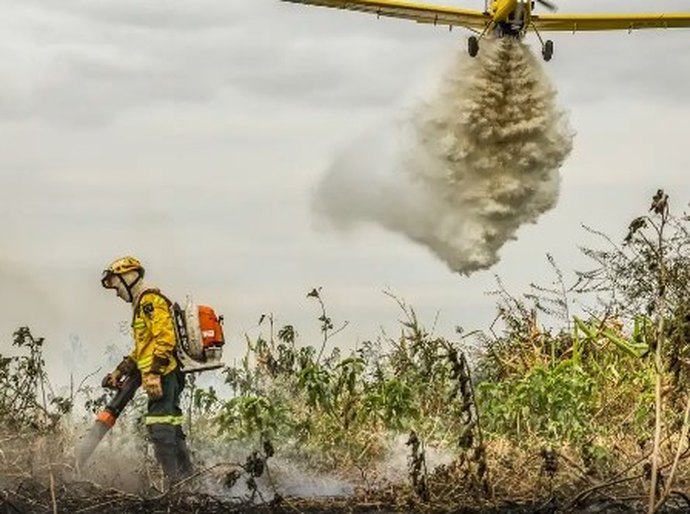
(474, 162)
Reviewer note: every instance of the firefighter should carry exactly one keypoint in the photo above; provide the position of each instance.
(153, 355)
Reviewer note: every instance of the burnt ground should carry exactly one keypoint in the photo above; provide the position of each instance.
(78, 498)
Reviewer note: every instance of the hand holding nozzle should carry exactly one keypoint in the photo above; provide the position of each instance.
(114, 379)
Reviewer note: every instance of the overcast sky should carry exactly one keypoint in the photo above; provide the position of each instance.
(192, 133)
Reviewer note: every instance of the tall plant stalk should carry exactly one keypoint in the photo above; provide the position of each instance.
(660, 207)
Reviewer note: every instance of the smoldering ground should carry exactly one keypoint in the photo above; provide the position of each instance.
(122, 476)
(476, 160)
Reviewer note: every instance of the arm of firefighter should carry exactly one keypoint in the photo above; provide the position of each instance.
(159, 321)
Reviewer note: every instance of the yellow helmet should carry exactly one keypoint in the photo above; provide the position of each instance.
(119, 267)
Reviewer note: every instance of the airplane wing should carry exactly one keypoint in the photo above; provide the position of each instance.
(421, 13)
(575, 22)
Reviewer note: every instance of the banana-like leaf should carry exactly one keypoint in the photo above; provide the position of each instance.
(632, 349)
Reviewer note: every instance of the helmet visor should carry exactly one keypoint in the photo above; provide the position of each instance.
(107, 279)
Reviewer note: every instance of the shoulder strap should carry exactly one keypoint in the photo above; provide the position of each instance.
(152, 290)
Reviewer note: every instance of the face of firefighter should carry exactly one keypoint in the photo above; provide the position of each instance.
(122, 284)
(121, 291)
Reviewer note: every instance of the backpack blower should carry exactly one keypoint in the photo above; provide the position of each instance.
(200, 340)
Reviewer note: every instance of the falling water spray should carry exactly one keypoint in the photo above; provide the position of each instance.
(476, 160)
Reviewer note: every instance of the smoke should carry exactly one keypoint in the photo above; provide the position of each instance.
(394, 469)
(25, 300)
(474, 162)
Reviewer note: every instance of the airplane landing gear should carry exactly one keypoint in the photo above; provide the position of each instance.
(547, 50)
(473, 46)
(546, 46)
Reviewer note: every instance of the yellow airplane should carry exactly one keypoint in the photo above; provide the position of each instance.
(507, 18)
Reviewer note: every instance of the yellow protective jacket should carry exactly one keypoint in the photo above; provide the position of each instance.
(154, 333)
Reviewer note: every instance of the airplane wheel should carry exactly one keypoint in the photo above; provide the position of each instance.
(547, 51)
(473, 46)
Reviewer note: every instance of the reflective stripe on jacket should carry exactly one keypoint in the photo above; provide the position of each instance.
(154, 419)
(154, 332)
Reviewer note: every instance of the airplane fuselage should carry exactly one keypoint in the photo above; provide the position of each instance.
(511, 16)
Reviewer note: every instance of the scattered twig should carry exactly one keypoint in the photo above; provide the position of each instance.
(120, 496)
(618, 478)
(684, 496)
(576, 466)
(31, 501)
(99, 506)
(199, 473)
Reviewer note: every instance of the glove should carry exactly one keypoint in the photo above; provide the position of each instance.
(152, 386)
(159, 364)
(112, 380)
